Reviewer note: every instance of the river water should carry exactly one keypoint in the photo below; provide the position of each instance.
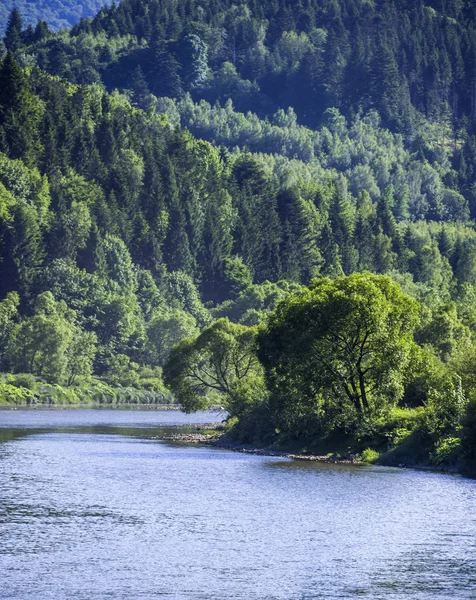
(92, 508)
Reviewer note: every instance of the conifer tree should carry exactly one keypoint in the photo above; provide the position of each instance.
(13, 31)
(20, 113)
(166, 74)
(140, 89)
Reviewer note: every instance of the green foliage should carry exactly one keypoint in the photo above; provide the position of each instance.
(144, 195)
(81, 354)
(271, 55)
(121, 371)
(369, 456)
(20, 113)
(256, 302)
(347, 340)
(12, 395)
(237, 276)
(445, 407)
(39, 344)
(24, 380)
(392, 427)
(447, 451)
(8, 314)
(50, 343)
(13, 31)
(219, 366)
(181, 290)
(445, 333)
(25, 389)
(165, 330)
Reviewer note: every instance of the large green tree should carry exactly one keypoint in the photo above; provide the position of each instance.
(13, 31)
(345, 342)
(40, 343)
(219, 366)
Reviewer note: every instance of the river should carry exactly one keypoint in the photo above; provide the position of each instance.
(93, 508)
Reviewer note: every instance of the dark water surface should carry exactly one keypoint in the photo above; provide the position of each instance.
(92, 508)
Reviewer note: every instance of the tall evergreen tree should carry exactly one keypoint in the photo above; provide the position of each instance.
(13, 31)
(20, 113)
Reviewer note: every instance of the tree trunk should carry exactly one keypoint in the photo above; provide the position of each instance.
(363, 392)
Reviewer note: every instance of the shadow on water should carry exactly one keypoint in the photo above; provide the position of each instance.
(9, 435)
(141, 424)
(318, 466)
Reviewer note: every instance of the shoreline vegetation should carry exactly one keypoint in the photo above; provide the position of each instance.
(215, 434)
(350, 369)
(25, 390)
(350, 365)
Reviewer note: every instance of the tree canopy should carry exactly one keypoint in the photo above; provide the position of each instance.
(219, 366)
(343, 340)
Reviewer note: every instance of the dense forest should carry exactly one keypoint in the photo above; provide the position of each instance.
(273, 201)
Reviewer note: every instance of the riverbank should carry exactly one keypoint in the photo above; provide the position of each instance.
(352, 459)
(215, 435)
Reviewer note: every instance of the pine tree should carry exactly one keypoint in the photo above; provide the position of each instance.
(20, 113)
(167, 80)
(446, 244)
(13, 31)
(258, 228)
(341, 215)
(41, 31)
(385, 219)
(364, 232)
(177, 245)
(22, 251)
(300, 257)
(386, 81)
(140, 89)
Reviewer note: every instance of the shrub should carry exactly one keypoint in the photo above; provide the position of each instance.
(10, 394)
(369, 456)
(25, 380)
(447, 451)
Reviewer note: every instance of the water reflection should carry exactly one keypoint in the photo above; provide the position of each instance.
(92, 507)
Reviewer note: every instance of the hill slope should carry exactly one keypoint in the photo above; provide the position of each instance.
(57, 13)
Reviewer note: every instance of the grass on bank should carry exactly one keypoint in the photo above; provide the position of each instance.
(24, 389)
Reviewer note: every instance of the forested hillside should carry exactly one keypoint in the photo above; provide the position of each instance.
(167, 164)
(394, 56)
(56, 13)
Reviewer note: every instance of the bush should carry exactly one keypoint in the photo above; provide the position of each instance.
(446, 452)
(56, 394)
(391, 428)
(25, 380)
(24, 389)
(369, 456)
(11, 395)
